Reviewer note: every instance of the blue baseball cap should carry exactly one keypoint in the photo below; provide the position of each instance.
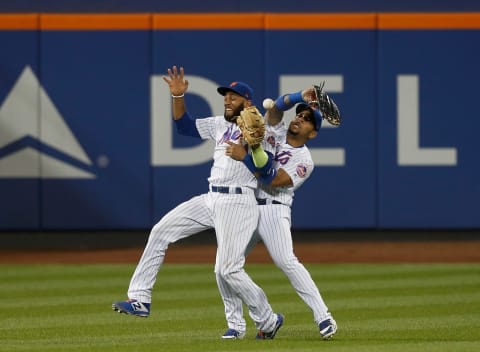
(317, 122)
(239, 88)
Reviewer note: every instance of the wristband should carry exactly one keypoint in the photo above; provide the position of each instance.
(268, 178)
(267, 168)
(293, 99)
(178, 96)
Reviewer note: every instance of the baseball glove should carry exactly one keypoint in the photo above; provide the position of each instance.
(252, 125)
(326, 105)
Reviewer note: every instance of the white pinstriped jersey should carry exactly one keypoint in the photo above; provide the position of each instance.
(274, 230)
(297, 162)
(225, 170)
(274, 136)
(234, 216)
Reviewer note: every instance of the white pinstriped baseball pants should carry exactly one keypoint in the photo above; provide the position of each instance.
(234, 217)
(274, 229)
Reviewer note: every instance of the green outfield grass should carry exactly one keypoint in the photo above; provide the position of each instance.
(388, 307)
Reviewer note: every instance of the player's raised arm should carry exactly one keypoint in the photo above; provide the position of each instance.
(285, 102)
(178, 86)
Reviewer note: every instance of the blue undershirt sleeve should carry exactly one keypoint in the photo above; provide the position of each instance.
(268, 178)
(186, 126)
(248, 161)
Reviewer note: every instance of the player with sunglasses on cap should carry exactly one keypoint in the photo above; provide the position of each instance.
(293, 165)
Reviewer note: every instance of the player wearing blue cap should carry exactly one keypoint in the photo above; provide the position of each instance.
(293, 164)
(229, 207)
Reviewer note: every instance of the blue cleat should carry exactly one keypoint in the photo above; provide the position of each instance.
(327, 327)
(271, 335)
(132, 307)
(233, 334)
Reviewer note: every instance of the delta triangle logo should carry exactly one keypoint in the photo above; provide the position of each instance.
(35, 141)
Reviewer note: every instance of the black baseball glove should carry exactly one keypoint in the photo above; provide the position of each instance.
(326, 105)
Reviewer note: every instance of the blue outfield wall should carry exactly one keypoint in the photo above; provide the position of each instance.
(87, 141)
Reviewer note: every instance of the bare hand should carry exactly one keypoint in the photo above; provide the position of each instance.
(236, 151)
(308, 94)
(177, 83)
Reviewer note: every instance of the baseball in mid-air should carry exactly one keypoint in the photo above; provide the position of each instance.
(268, 104)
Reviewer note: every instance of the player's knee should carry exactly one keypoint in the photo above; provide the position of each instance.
(286, 263)
(228, 275)
(224, 274)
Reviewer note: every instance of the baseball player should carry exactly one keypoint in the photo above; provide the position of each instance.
(229, 207)
(293, 164)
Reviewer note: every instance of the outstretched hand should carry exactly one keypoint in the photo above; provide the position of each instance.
(236, 151)
(308, 94)
(176, 81)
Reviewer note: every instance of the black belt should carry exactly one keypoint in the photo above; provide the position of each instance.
(265, 202)
(225, 189)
